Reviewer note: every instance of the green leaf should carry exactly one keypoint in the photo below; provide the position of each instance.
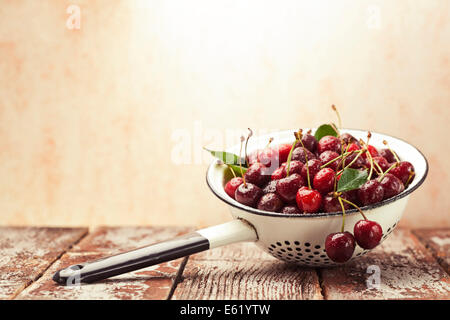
(351, 179)
(237, 170)
(226, 157)
(325, 130)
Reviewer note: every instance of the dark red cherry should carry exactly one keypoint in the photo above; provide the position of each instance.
(367, 233)
(291, 209)
(309, 141)
(329, 143)
(370, 192)
(287, 187)
(352, 196)
(257, 174)
(295, 167)
(300, 154)
(327, 156)
(248, 194)
(279, 173)
(232, 185)
(347, 138)
(270, 187)
(270, 202)
(331, 203)
(308, 200)
(382, 162)
(283, 151)
(388, 155)
(324, 180)
(313, 167)
(404, 171)
(340, 246)
(358, 163)
(392, 185)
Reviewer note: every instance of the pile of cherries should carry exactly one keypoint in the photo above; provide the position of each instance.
(306, 181)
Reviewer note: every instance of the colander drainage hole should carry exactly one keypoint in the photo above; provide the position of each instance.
(287, 243)
(307, 244)
(296, 243)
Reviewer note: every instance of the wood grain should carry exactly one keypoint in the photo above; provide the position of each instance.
(25, 253)
(407, 271)
(438, 242)
(243, 271)
(149, 283)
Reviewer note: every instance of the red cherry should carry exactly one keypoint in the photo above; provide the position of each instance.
(388, 155)
(331, 203)
(248, 194)
(283, 151)
(295, 167)
(327, 156)
(373, 151)
(324, 180)
(308, 200)
(279, 173)
(367, 233)
(309, 141)
(313, 168)
(270, 202)
(232, 185)
(287, 187)
(370, 192)
(404, 171)
(348, 138)
(270, 187)
(392, 186)
(381, 161)
(257, 174)
(353, 147)
(301, 154)
(329, 143)
(340, 246)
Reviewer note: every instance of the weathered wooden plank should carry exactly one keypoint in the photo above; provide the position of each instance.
(407, 271)
(243, 271)
(25, 253)
(149, 283)
(438, 242)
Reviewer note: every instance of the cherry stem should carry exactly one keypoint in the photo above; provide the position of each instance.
(268, 144)
(240, 161)
(337, 158)
(246, 142)
(289, 158)
(392, 151)
(343, 213)
(335, 129)
(411, 174)
(231, 169)
(360, 152)
(352, 204)
(306, 158)
(387, 171)
(338, 116)
(378, 168)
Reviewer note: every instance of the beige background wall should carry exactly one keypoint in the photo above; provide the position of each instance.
(90, 118)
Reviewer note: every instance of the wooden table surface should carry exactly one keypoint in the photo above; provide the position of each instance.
(413, 264)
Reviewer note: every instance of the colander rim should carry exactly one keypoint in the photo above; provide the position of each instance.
(401, 195)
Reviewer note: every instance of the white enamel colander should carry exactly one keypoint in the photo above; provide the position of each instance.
(294, 238)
